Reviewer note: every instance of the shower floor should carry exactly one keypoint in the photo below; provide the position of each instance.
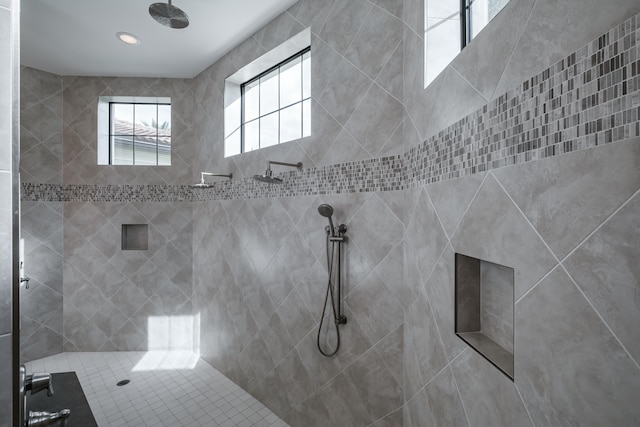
(166, 389)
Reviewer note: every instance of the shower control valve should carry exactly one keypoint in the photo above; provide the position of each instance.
(39, 381)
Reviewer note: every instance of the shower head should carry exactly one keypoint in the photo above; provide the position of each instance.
(169, 15)
(267, 177)
(327, 212)
(203, 184)
(268, 174)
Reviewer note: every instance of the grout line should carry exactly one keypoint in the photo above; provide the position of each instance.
(437, 215)
(524, 404)
(535, 285)
(595, 230)
(557, 261)
(525, 217)
(391, 135)
(515, 45)
(435, 322)
(375, 79)
(460, 396)
(473, 199)
(600, 317)
(423, 286)
(486, 101)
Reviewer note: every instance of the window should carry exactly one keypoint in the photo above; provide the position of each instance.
(449, 26)
(276, 105)
(268, 101)
(477, 14)
(134, 131)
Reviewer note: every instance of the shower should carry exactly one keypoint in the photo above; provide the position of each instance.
(203, 184)
(334, 240)
(169, 15)
(268, 175)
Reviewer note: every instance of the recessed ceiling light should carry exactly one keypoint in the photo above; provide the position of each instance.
(128, 38)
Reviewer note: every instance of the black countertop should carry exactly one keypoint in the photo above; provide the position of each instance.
(67, 394)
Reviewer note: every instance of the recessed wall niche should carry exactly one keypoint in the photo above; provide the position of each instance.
(484, 309)
(135, 237)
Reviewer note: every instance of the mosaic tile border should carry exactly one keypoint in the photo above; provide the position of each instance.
(384, 174)
(589, 98)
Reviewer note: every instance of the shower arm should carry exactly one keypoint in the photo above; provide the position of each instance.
(293, 165)
(203, 174)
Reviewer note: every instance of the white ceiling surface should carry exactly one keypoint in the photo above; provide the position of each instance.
(78, 37)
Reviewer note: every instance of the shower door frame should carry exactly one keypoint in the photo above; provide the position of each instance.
(14, 76)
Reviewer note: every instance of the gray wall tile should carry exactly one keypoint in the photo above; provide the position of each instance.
(451, 209)
(375, 42)
(496, 282)
(541, 44)
(598, 182)
(488, 396)
(563, 344)
(483, 68)
(605, 268)
(344, 21)
(443, 403)
(493, 229)
(440, 289)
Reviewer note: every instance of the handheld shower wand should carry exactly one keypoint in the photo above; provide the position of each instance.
(327, 212)
(335, 236)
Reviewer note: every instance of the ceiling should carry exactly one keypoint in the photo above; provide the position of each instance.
(78, 37)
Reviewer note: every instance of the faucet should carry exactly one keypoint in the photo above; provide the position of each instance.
(42, 419)
(37, 382)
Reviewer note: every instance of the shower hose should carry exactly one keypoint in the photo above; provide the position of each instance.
(329, 294)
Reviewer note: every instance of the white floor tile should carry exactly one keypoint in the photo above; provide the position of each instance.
(158, 396)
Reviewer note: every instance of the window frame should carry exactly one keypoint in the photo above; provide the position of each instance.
(105, 151)
(466, 34)
(465, 18)
(300, 54)
(465, 23)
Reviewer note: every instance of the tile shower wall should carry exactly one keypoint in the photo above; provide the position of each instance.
(80, 103)
(126, 299)
(444, 383)
(554, 220)
(117, 299)
(356, 87)
(258, 263)
(41, 222)
(260, 283)
(574, 277)
(101, 298)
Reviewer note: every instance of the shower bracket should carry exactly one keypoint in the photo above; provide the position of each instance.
(341, 229)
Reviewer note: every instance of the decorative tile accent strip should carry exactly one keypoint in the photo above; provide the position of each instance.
(589, 98)
(383, 174)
